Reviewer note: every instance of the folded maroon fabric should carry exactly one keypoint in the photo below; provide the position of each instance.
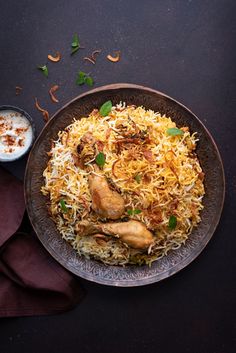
(31, 281)
(13, 205)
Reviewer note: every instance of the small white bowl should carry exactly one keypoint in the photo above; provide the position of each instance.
(14, 142)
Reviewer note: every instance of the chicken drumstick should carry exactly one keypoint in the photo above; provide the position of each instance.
(133, 233)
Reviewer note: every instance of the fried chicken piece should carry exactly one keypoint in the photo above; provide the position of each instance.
(105, 202)
(133, 233)
(86, 149)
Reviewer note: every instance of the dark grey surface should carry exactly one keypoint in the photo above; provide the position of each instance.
(187, 50)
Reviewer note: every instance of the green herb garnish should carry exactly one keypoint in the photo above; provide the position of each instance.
(174, 131)
(133, 212)
(172, 222)
(84, 78)
(63, 206)
(100, 159)
(81, 78)
(138, 178)
(105, 108)
(75, 41)
(75, 45)
(74, 50)
(44, 70)
(89, 81)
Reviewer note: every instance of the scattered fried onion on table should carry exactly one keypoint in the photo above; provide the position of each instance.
(92, 59)
(154, 179)
(115, 58)
(18, 90)
(52, 90)
(56, 58)
(43, 111)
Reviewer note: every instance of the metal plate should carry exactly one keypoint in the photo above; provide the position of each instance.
(45, 228)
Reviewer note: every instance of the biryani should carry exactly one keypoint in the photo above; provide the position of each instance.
(124, 185)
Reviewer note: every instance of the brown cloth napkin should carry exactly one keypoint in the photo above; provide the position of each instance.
(31, 281)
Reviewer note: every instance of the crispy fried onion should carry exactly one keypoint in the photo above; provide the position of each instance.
(201, 175)
(89, 59)
(148, 155)
(114, 168)
(115, 58)
(51, 93)
(99, 145)
(56, 58)
(92, 59)
(129, 139)
(43, 111)
(169, 162)
(94, 53)
(121, 171)
(18, 90)
(87, 148)
(155, 214)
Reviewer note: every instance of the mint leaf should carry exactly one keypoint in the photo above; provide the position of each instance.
(63, 206)
(75, 45)
(44, 70)
(89, 81)
(100, 159)
(81, 78)
(74, 50)
(105, 108)
(174, 131)
(133, 212)
(75, 41)
(172, 222)
(138, 178)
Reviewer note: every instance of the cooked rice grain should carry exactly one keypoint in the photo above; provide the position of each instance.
(169, 182)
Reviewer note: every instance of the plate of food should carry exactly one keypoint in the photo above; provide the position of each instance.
(124, 186)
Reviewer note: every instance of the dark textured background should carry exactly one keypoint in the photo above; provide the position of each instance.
(187, 50)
